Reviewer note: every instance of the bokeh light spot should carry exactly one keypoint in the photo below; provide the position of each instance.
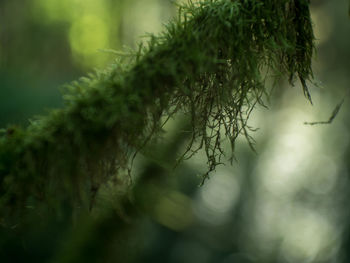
(87, 35)
(174, 211)
(217, 198)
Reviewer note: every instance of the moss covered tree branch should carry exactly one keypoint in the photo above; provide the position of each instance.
(210, 63)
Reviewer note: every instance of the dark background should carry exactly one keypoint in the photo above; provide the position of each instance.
(287, 203)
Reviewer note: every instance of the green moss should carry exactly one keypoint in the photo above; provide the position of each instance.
(210, 63)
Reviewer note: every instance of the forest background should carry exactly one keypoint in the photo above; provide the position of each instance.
(287, 203)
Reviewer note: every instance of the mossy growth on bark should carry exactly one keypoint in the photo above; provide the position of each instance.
(211, 63)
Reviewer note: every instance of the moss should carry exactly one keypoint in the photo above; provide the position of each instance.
(210, 63)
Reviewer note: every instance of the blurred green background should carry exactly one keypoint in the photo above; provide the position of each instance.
(288, 203)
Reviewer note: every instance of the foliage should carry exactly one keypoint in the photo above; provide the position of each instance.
(211, 63)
